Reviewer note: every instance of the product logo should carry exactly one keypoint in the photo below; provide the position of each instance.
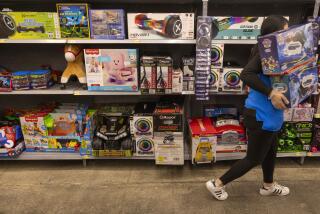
(165, 117)
(31, 119)
(266, 43)
(92, 51)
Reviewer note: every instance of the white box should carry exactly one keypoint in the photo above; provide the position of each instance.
(177, 81)
(145, 146)
(217, 51)
(214, 81)
(161, 25)
(230, 80)
(142, 126)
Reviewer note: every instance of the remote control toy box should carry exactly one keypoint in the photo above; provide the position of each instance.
(288, 49)
(238, 27)
(74, 21)
(107, 24)
(161, 25)
(111, 69)
(29, 25)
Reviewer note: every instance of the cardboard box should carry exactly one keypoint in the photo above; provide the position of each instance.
(230, 80)
(177, 81)
(164, 75)
(74, 21)
(111, 69)
(148, 75)
(302, 114)
(238, 27)
(168, 117)
(212, 111)
(107, 24)
(161, 25)
(214, 79)
(34, 25)
(145, 146)
(217, 52)
(285, 51)
(188, 73)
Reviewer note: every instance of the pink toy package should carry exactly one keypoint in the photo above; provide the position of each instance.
(111, 69)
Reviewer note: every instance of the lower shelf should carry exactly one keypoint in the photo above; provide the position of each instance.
(292, 154)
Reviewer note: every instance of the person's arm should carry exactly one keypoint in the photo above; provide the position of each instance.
(249, 76)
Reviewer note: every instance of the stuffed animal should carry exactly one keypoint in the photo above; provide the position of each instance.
(75, 67)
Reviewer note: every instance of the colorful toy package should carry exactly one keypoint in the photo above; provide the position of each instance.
(287, 50)
(74, 20)
(5, 80)
(238, 27)
(107, 24)
(111, 69)
(31, 25)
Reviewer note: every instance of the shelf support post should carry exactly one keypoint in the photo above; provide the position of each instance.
(205, 7)
(316, 8)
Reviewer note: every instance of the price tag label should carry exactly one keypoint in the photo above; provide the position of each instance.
(77, 93)
(3, 40)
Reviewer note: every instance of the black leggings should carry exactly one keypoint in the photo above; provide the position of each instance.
(262, 149)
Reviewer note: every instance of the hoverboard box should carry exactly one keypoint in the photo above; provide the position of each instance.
(161, 25)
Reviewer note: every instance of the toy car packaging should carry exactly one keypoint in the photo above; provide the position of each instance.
(298, 85)
(161, 25)
(238, 27)
(230, 80)
(111, 69)
(285, 51)
(107, 24)
(164, 75)
(29, 25)
(204, 140)
(74, 20)
(295, 137)
(5, 80)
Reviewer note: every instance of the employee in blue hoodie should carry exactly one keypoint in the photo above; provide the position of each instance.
(263, 118)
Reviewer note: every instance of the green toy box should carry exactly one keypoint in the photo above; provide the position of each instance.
(33, 25)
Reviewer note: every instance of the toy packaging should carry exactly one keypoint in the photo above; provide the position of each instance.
(5, 80)
(217, 51)
(164, 75)
(230, 80)
(214, 80)
(37, 79)
(213, 111)
(107, 24)
(177, 81)
(315, 144)
(148, 75)
(30, 25)
(285, 51)
(303, 114)
(287, 114)
(188, 73)
(111, 69)
(168, 117)
(161, 25)
(21, 80)
(295, 137)
(204, 140)
(74, 20)
(238, 27)
(11, 144)
(298, 85)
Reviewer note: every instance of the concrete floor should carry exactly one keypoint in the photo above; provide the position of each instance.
(140, 187)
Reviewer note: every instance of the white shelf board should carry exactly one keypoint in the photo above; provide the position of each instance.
(48, 156)
(291, 154)
(105, 93)
(120, 158)
(52, 90)
(235, 42)
(230, 156)
(313, 154)
(33, 41)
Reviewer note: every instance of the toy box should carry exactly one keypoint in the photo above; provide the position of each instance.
(188, 73)
(161, 25)
(295, 137)
(145, 146)
(217, 51)
(5, 80)
(288, 49)
(164, 75)
(107, 24)
(30, 25)
(214, 79)
(303, 114)
(230, 80)
(148, 74)
(142, 122)
(169, 148)
(204, 140)
(315, 144)
(111, 69)
(238, 27)
(177, 81)
(74, 20)
(168, 117)
(298, 85)
(212, 111)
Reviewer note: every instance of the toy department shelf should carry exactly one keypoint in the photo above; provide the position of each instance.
(230, 156)
(53, 90)
(48, 156)
(291, 154)
(313, 154)
(119, 158)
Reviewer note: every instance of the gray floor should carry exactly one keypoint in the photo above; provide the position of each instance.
(140, 187)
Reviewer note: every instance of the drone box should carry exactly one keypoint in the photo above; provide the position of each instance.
(74, 21)
(107, 24)
(168, 117)
(204, 140)
(230, 80)
(111, 69)
(298, 85)
(238, 27)
(148, 75)
(287, 50)
(161, 25)
(35, 25)
(217, 51)
(214, 80)
(188, 74)
(164, 75)
(169, 148)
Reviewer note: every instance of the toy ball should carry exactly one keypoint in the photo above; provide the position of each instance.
(70, 57)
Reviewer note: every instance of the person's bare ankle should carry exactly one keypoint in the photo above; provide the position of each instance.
(267, 185)
(218, 183)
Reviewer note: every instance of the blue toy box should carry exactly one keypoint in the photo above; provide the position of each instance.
(298, 85)
(285, 51)
(107, 24)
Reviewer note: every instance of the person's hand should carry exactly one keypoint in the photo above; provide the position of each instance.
(278, 99)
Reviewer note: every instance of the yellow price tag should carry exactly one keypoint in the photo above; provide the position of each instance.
(76, 93)
(3, 40)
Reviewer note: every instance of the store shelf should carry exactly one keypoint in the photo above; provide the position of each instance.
(222, 93)
(33, 41)
(291, 154)
(235, 42)
(313, 154)
(48, 156)
(53, 90)
(105, 93)
(230, 156)
(119, 158)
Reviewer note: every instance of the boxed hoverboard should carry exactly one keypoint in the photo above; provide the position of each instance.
(287, 50)
(161, 25)
(111, 69)
(238, 27)
(107, 24)
(29, 25)
(74, 20)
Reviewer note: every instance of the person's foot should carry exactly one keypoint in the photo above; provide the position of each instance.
(218, 192)
(275, 189)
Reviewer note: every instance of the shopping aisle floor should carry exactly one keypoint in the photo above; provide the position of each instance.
(140, 187)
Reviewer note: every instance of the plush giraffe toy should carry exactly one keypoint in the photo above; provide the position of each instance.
(75, 67)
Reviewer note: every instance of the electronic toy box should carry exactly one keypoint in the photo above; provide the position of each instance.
(29, 25)
(298, 85)
(111, 69)
(107, 24)
(214, 80)
(161, 25)
(188, 64)
(148, 75)
(217, 51)
(230, 80)
(287, 50)
(238, 27)
(204, 140)
(74, 20)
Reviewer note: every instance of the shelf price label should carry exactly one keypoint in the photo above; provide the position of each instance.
(76, 93)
